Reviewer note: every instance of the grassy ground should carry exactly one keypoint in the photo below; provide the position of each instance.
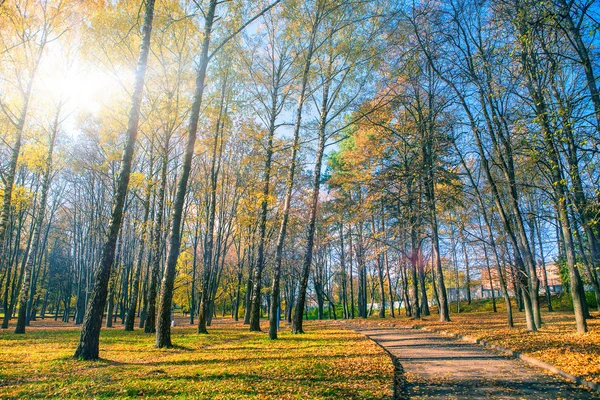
(557, 342)
(328, 362)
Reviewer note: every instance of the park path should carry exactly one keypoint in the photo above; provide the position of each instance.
(439, 367)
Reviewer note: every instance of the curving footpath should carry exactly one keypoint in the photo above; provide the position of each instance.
(433, 366)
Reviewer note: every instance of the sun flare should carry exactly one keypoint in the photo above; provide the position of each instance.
(79, 86)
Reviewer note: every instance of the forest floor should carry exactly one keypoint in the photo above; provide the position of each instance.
(556, 343)
(231, 363)
(328, 362)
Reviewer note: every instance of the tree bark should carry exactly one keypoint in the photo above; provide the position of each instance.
(204, 316)
(310, 237)
(90, 333)
(32, 254)
(163, 325)
(130, 318)
(255, 300)
(275, 290)
(530, 67)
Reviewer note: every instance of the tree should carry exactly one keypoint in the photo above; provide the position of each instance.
(37, 226)
(273, 89)
(90, 332)
(163, 331)
(33, 26)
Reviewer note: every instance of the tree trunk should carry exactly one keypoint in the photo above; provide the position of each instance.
(415, 253)
(130, 318)
(424, 301)
(37, 229)
(163, 326)
(16, 282)
(436, 258)
(489, 271)
(467, 272)
(156, 253)
(262, 226)
(290, 187)
(488, 225)
(90, 332)
(352, 312)
(530, 67)
(387, 266)
(379, 256)
(301, 301)
(249, 286)
(344, 288)
(204, 317)
(194, 268)
(111, 305)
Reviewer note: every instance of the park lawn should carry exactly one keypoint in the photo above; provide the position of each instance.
(328, 362)
(556, 343)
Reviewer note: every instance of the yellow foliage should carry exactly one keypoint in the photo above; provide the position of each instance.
(21, 198)
(185, 257)
(181, 295)
(137, 180)
(33, 156)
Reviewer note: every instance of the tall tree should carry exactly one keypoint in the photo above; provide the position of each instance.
(163, 325)
(88, 347)
(37, 228)
(273, 91)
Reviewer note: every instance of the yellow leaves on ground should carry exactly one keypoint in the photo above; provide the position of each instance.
(230, 363)
(556, 343)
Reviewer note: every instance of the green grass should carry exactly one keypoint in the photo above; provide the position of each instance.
(560, 302)
(229, 363)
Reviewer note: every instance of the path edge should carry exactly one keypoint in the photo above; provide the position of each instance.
(515, 354)
(400, 385)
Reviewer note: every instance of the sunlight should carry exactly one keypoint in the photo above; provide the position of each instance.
(274, 199)
(83, 92)
(81, 87)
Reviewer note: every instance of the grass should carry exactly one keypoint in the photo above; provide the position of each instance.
(328, 362)
(557, 342)
(560, 302)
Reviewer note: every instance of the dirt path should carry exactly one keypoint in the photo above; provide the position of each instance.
(438, 367)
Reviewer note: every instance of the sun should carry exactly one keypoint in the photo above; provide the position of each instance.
(78, 90)
(78, 85)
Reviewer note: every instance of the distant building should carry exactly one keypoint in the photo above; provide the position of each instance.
(555, 284)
